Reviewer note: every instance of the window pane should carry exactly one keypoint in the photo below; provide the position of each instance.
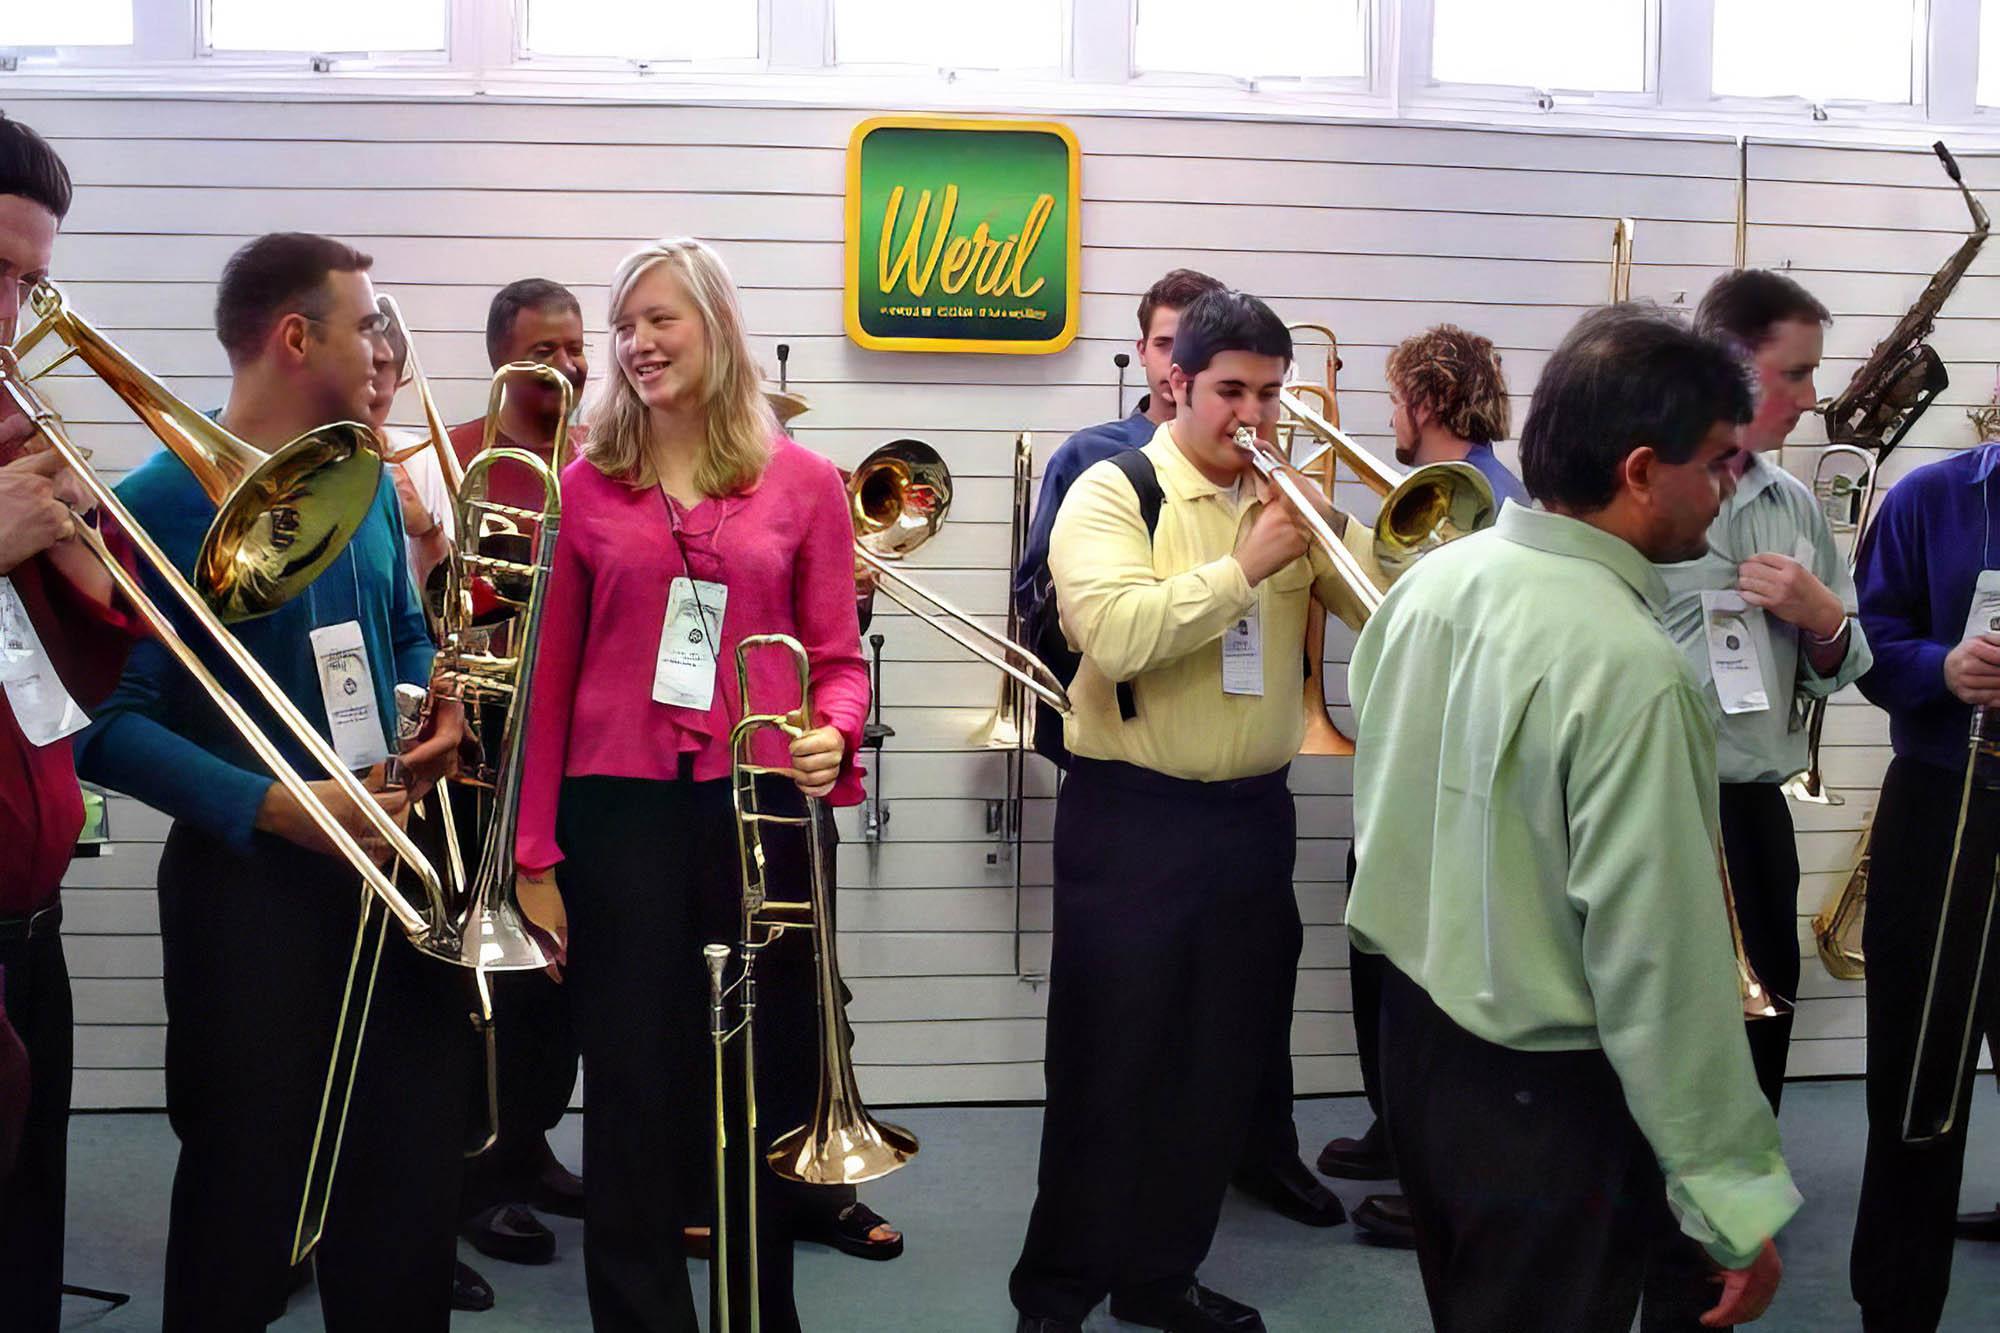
(1024, 34)
(1575, 45)
(1989, 53)
(644, 29)
(72, 23)
(1302, 39)
(326, 25)
(1822, 49)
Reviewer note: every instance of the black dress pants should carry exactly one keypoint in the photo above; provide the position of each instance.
(1538, 1204)
(32, 1195)
(1364, 982)
(256, 949)
(650, 876)
(1764, 874)
(1901, 1262)
(1176, 948)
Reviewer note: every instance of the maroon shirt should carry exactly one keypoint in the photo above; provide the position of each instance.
(509, 483)
(41, 807)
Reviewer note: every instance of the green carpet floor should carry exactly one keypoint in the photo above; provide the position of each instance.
(963, 1204)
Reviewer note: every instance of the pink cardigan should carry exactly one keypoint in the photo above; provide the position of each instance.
(785, 548)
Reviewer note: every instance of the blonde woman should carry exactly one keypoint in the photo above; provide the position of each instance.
(688, 510)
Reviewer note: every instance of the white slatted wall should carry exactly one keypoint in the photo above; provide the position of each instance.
(1377, 230)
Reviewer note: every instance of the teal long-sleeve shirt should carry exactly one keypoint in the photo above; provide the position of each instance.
(1771, 513)
(1536, 828)
(160, 739)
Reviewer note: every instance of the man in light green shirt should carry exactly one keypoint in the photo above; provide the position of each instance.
(1563, 1061)
(1764, 618)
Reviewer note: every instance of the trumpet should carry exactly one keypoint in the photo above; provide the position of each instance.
(842, 1143)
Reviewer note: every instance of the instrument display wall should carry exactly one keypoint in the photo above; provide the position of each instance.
(1377, 230)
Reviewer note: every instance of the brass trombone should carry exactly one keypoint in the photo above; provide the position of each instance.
(842, 1143)
(481, 926)
(1622, 233)
(1322, 736)
(899, 496)
(437, 436)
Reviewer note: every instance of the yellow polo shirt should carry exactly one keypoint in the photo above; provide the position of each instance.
(1153, 611)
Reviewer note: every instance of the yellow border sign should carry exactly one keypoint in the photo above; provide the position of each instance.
(962, 235)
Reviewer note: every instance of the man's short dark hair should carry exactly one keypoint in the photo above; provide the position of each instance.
(31, 169)
(1626, 376)
(1746, 302)
(511, 300)
(1228, 321)
(282, 273)
(1176, 291)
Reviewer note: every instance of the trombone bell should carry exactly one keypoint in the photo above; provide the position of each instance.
(900, 495)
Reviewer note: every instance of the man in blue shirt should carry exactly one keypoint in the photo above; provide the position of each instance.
(1935, 542)
(1447, 404)
(258, 919)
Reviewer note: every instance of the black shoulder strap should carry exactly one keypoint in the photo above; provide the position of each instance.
(1138, 470)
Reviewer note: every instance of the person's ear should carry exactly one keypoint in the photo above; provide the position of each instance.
(292, 335)
(1182, 383)
(1639, 474)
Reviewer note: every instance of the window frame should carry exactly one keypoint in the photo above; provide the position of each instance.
(1421, 89)
(1376, 17)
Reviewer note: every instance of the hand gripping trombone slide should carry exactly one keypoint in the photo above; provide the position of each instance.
(842, 1143)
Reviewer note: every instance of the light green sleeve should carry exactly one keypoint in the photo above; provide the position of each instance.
(1658, 961)
(1832, 570)
(1114, 608)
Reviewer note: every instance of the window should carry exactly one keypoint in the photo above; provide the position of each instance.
(1572, 45)
(1300, 39)
(643, 29)
(1823, 50)
(1989, 53)
(72, 23)
(1023, 34)
(326, 25)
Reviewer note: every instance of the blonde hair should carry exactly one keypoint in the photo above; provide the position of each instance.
(741, 425)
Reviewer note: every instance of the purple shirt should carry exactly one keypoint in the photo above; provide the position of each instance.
(1936, 530)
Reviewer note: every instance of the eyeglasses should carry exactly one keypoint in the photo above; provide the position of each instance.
(374, 326)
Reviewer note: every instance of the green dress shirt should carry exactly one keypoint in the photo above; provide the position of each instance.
(1535, 816)
(1771, 513)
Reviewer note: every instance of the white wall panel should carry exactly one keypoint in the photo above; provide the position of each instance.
(1378, 230)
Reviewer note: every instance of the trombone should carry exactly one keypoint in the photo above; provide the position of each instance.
(842, 1143)
(480, 923)
(899, 496)
(281, 519)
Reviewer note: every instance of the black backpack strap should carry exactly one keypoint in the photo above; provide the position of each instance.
(1138, 470)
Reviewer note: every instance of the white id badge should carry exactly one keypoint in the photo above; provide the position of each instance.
(1984, 617)
(684, 675)
(1734, 629)
(1243, 656)
(41, 705)
(353, 715)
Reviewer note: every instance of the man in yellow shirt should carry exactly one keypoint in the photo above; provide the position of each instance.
(1176, 933)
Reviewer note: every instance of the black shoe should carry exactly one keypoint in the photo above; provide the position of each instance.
(469, 1291)
(1978, 1226)
(510, 1233)
(1384, 1219)
(1365, 1158)
(1195, 1310)
(1044, 1323)
(558, 1189)
(1288, 1187)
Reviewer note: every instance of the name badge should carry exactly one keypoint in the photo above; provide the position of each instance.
(1984, 617)
(684, 674)
(1735, 664)
(1243, 656)
(42, 707)
(353, 715)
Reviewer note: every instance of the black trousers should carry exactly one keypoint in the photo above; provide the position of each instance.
(1764, 874)
(256, 951)
(1364, 983)
(1538, 1204)
(31, 1197)
(1901, 1262)
(651, 876)
(1176, 948)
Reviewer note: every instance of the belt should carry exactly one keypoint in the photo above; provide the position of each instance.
(34, 926)
(1132, 777)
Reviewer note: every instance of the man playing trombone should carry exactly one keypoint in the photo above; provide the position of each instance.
(61, 634)
(259, 925)
(1177, 935)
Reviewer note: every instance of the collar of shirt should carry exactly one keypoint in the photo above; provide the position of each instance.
(1759, 476)
(1559, 534)
(1180, 479)
(1985, 457)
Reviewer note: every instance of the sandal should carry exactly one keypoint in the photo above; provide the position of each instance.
(851, 1231)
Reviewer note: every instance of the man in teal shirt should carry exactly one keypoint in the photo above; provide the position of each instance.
(1563, 1061)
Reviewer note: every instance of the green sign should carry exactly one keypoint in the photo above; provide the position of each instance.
(962, 235)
